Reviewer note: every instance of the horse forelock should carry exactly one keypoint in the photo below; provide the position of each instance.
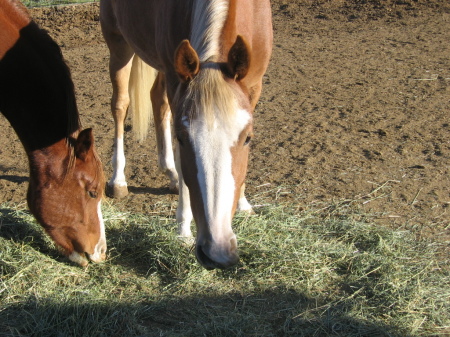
(208, 95)
(211, 98)
(72, 161)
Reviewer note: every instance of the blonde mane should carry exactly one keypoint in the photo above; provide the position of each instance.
(208, 20)
(209, 93)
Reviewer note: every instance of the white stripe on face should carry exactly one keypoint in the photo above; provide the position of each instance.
(100, 248)
(212, 147)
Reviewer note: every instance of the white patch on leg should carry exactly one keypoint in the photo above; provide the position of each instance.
(166, 160)
(118, 162)
(184, 213)
(244, 206)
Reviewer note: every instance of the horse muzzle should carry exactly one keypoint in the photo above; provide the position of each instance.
(99, 252)
(213, 255)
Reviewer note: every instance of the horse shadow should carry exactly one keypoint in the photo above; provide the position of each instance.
(146, 250)
(278, 312)
(157, 249)
(14, 179)
(150, 190)
(14, 227)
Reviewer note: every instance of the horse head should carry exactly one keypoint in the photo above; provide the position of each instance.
(64, 194)
(214, 126)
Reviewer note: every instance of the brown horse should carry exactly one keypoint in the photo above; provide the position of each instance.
(37, 97)
(203, 61)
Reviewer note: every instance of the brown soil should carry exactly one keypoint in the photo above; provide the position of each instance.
(355, 109)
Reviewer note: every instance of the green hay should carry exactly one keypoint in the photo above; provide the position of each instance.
(308, 273)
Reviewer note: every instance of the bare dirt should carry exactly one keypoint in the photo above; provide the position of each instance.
(355, 110)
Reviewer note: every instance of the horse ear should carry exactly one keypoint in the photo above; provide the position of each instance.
(84, 144)
(239, 58)
(187, 63)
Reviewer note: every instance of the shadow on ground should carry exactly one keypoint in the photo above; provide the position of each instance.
(275, 313)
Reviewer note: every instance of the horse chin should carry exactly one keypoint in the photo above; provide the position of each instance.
(209, 264)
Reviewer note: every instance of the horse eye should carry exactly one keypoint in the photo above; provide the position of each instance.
(180, 140)
(247, 140)
(93, 194)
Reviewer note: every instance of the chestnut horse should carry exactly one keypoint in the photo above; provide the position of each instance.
(37, 97)
(202, 61)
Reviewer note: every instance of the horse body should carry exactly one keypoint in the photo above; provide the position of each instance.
(37, 97)
(210, 56)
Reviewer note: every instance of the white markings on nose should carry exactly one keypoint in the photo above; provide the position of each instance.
(100, 248)
(212, 146)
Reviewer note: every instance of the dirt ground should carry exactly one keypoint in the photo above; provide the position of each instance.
(355, 109)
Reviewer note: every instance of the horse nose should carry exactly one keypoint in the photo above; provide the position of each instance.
(213, 255)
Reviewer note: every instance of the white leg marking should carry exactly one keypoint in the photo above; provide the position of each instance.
(165, 157)
(244, 205)
(184, 213)
(118, 162)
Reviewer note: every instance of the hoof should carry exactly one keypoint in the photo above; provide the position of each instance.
(116, 192)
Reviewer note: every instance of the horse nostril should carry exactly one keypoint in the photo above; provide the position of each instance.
(203, 258)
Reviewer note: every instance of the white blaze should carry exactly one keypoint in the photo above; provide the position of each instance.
(212, 146)
(100, 247)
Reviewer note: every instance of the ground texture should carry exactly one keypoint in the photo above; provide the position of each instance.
(355, 110)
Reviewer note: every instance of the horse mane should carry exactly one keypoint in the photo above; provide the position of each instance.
(210, 95)
(208, 20)
(208, 92)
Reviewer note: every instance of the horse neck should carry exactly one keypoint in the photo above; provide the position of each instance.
(36, 90)
(229, 32)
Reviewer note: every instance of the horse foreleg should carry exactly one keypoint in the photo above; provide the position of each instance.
(184, 212)
(162, 117)
(119, 68)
